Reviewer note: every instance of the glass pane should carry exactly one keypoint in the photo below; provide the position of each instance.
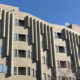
(27, 38)
(6, 69)
(42, 44)
(54, 34)
(1, 68)
(48, 77)
(28, 70)
(15, 22)
(56, 48)
(44, 76)
(32, 72)
(28, 54)
(43, 60)
(15, 70)
(15, 37)
(2, 50)
(15, 53)
(57, 64)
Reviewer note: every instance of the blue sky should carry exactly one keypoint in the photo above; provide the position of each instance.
(53, 11)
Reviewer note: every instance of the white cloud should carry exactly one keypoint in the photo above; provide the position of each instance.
(67, 24)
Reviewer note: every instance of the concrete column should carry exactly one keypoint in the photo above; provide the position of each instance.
(32, 30)
(7, 33)
(35, 40)
(39, 52)
(3, 23)
(11, 42)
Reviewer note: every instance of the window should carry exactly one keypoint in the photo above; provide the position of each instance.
(32, 56)
(68, 65)
(15, 22)
(32, 72)
(61, 49)
(1, 68)
(58, 78)
(66, 50)
(48, 76)
(22, 53)
(43, 58)
(69, 78)
(15, 37)
(15, 53)
(6, 69)
(28, 54)
(59, 35)
(28, 70)
(15, 70)
(56, 47)
(2, 50)
(55, 35)
(27, 38)
(22, 37)
(63, 64)
(57, 64)
(21, 71)
(42, 44)
(44, 76)
(21, 23)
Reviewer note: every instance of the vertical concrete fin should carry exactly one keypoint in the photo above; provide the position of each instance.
(76, 49)
(74, 56)
(11, 42)
(27, 22)
(32, 30)
(39, 51)
(3, 23)
(53, 47)
(69, 42)
(50, 47)
(64, 34)
(77, 39)
(7, 33)
(35, 39)
(42, 28)
(0, 13)
(46, 37)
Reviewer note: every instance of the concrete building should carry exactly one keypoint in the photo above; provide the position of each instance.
(30, 47)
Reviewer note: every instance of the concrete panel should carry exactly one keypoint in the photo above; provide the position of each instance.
(42, 28)
(11, 42)
(46, 37)
(7, 33)
(0, 13)
(69, 43)
(50, 47)
(39, 52)
(32, 30)
(64, 34)
(3, 23)
(27, 22)
(35, 40)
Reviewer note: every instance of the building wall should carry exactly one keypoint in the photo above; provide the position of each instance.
(37, 29)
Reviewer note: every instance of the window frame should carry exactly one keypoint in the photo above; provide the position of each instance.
(28, 70)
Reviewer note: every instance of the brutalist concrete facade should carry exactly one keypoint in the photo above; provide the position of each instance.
(59, 45)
